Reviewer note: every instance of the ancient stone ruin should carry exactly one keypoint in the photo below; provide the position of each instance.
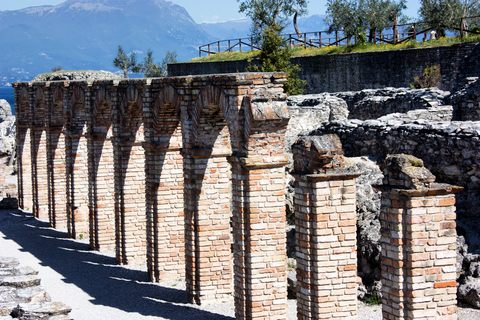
(22, 297)
(187, 175)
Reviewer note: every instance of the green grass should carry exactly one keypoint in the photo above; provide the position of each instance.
(367, 47)
(373, 300)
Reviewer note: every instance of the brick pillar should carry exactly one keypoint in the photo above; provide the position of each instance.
(325, 225)
(418, 243)
(259, 218)
(259, 231)
(101, 172)
(207, 227)
(129, 163)
(57, 208)
(76, 163)
(164, 185)
(39, 156)
(56, 159)
(23, 124)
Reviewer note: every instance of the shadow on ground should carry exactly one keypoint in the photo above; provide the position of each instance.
(96, 274)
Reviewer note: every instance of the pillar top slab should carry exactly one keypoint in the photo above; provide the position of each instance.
(264, 162)
(435, 189)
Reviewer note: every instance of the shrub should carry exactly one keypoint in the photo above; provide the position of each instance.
(430, 78)
(275, 57)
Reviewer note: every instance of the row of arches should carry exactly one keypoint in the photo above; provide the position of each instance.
(168, 172)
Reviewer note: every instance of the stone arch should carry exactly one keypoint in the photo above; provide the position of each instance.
(130, 215)
(207, 197)
(164, 170)
(101, 172)
(57, 118)
(211, 120)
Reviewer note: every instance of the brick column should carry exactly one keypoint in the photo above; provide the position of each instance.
(259, 231)
(23, 125)
(129, 163)
(325, 225)
(100, 171)
(418, 243)
(207, 227)
(164, 185)
(39, 155)
(76, 163)
(259, 218)
(56, 161)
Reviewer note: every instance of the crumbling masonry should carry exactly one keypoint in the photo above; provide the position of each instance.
(187, 175)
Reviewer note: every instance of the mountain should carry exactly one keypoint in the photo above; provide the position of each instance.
(241, 28)
(85, 34)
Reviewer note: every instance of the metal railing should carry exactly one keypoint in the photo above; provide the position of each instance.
(417, 31)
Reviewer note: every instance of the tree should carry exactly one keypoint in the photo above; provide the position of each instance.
(269, 19)
(344, 15)
(267, 13)
(275, 57)
(151, 69)
(125, 63)
(352, 17)
(444, 15)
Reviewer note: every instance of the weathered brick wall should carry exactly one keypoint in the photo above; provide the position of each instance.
(151, 167)
(358, 71)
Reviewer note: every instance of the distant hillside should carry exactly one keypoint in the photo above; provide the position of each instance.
(85, 34)
(241, 28)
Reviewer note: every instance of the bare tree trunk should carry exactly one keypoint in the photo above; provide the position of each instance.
(297, 31)
(395, 30)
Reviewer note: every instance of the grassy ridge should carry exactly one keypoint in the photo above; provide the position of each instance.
(366, 47)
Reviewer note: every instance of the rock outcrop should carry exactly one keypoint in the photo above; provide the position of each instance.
(400, 120)
(375, 103)
(21, 296)
(5, 110)
(77, 75)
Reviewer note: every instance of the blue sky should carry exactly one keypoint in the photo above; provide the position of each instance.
(201, 11)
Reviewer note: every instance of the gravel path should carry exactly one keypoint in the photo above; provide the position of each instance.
(96, 288)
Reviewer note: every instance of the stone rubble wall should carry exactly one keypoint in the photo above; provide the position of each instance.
(449, 149)
(375, 103)
(368, 70)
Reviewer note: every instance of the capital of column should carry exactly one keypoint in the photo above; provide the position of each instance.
(203, 153)
(160, 147)
(252, 163)
(328, 176)
(436, 189)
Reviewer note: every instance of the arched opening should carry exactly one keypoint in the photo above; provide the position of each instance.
(207, 199)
